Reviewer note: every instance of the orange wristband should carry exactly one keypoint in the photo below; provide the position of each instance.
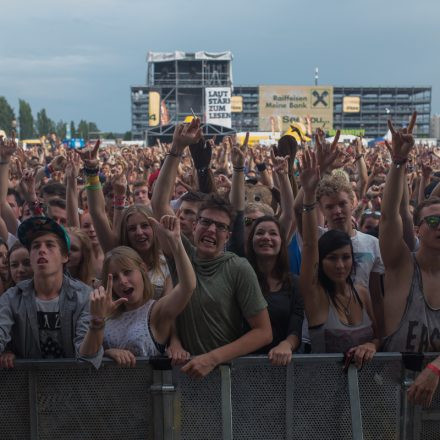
(434, 369)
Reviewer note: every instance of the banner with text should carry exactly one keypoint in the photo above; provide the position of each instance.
(218, 106)
(280, 106)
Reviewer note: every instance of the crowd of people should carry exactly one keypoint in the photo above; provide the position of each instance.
(206, 251)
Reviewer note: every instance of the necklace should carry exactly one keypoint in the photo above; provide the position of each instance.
(346, 308)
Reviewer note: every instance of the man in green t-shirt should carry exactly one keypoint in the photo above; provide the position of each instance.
(227, 290)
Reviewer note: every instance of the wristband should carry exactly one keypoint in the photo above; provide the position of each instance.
(119, 201)
(434, 369)
(93, 187)
(307, 208)
(399, 161)
(261, 167)
(92, 180)
(358, 157)
(238, 169)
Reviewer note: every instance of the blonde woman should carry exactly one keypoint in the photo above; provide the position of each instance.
(125, 318)
(135, 228)
(80, 257)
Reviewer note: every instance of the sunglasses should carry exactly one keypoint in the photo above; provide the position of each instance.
(432, 221)
(207, 222)
(375, 214)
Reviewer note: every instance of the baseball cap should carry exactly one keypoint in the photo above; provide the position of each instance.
(34, 226)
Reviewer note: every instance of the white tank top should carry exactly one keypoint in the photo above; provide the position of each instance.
(131, 331)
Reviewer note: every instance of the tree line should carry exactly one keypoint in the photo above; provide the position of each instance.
(41, 125)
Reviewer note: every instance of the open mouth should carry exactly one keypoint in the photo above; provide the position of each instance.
(209, 241)
(128, 291)
(42, 261)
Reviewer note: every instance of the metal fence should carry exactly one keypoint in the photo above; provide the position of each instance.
(247, 400)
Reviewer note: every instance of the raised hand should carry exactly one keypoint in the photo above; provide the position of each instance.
(238, 152)
(167, 231)
(187, 134)
(119, 184)
(7, 147)
(402, 141)
(71, 168)
(27, 185)
(310, 172)
(90, 155)
(280, 163)
(101, 302)
(326, 153)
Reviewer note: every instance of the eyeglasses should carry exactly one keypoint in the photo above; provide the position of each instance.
(375, 214)
(248, 221)
(207, 222)
(432, 221)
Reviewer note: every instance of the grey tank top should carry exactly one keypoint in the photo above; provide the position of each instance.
(131, 331)
(336, 337)
(419, 329)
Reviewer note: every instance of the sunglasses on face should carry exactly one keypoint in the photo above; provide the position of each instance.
(207, 222)
(432, 221)
(248, 221)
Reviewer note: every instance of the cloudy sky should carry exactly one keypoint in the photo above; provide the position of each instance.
(78, 58)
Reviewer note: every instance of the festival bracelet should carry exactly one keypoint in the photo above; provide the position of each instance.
(434, 369)
(92, 180)
(97, 323)
(93, 187)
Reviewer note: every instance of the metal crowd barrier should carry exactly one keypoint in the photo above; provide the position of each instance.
(311, 399)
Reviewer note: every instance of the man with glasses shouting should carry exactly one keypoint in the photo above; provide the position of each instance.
(227, 289)
(412, 280)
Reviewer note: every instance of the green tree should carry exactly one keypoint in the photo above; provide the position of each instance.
(60, 129)
(93, 130)
(83, 129)
(127, 136)
(43, 124)
(26, 120)
(72, 129)
(6, 115)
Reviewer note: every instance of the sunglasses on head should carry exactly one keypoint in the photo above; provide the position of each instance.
(432, 221)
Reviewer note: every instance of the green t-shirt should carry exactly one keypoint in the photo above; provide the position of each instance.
(227, 291)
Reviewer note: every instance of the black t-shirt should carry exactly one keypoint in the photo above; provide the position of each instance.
(286, 312)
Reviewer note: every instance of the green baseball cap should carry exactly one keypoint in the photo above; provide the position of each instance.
(34, 226)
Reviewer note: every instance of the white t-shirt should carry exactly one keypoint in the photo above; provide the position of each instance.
(366, 255)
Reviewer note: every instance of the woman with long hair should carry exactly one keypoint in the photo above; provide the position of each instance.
(125, 318)
(134, 230)
(267, 253)
(339, 314)
(19, 263)
(80, 256)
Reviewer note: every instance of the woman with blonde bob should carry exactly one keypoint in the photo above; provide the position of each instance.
(125, 318)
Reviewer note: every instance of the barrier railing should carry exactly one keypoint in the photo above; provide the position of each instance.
(312, 399)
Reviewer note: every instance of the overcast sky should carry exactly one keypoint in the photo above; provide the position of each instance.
(78, 58)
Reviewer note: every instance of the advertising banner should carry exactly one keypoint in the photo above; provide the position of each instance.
(218, 106)
(237, 104)
(280, 106)
(153, 108)
(351, 104)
